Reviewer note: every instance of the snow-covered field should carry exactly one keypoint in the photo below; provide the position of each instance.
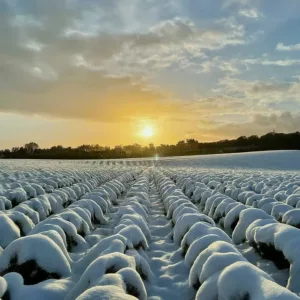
(203, 227)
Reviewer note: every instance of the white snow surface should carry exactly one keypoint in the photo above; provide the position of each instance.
(201, 227)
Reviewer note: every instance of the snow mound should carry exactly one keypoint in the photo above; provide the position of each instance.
(102, 246)
(36, 258)
(215, 247)
(198, 230)
(48, 290)
(135, 235)
(108, 292)
(243, 280)
(185, 222)
(200, 244)
(246, 217)
(109, 263)
(9, 231)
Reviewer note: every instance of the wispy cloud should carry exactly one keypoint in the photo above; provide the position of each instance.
(268, 62)
(282, 47)
(251, 13)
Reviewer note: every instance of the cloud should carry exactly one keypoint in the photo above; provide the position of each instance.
(278, 62)
(259, 124)
(282, 47)
(212, 106)
(260, 94)
(229, 3)
(251, 13)
(77, 59)
(217, 63)
(267, 87)
(283, 122)
(126, 60)
(93, 96)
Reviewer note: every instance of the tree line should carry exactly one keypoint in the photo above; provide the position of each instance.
(269, 141)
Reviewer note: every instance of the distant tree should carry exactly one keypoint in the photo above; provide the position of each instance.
(192, 145)
(57, 148)
(86, 148)
(152, 149)
(181, 144)
(269, 141)
(31, 147)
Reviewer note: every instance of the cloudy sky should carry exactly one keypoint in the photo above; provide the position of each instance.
(98, 71)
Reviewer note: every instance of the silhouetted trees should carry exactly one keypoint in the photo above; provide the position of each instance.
(269, 141)
(31, 147)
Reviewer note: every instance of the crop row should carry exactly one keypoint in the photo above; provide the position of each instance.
(45, 248)
(243, 223)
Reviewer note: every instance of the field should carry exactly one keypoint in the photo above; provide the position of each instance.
(203, 227)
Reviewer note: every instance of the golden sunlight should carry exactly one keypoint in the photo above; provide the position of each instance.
(147, 131)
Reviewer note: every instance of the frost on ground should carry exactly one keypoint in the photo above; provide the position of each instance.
(180, 228)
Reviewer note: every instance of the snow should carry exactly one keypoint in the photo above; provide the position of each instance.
(3, 286)
(74, 240)
(23, 222)
(84, 214)
(232, 216)
(31, 192)
(251, 230)
(246, 217)
(200, 244)
(258, 285)
(127, 220)
(197, 267)
(173, 228)
(142, 264)
(185, 222)
(133, 282)
(9, 231)
(16, 196)
(135, 235)
(39, 249)
(279, 210)
(292, 217)
(105, 293)
(292, 200)
(48, 290)
(183, 208)
(218, 262)
(109, 263)
(28, 211)
(100, 247)
(94, 209)
(268, 160)
(81, 225)
(220, 211)
(197, 230)
(5, 203)
(209, 289)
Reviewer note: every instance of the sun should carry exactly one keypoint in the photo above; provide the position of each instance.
(147, 131)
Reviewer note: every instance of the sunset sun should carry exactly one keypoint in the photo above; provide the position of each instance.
(147, 131)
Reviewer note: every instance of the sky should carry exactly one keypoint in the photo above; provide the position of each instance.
(78, 72)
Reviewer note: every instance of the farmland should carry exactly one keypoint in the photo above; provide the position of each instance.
(211, 227)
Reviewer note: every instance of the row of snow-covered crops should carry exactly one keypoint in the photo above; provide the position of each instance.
(81, 231)
(76, 240)
(255, 210)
